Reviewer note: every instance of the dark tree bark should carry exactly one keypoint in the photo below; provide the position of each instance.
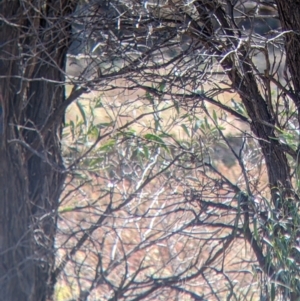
(289, 12)
(262, 122)
(34, 39)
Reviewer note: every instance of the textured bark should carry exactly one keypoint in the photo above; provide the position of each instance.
(243, 80)
(34, 39)
(263, 126)
(289, 15)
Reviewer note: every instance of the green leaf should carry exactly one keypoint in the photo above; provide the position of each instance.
(103, 125)
(197, 125)
(207, 126)
(239, 107)
(146, 151)
(215, 117)
(66, 209)
(255, 230)
(98, 103)
(81, 110)
(129, 133)
(162, 86)
(79, 176)
(93, 131)
(72, 126)
(149, 97)
(153, 137)
(96, 161)
(273, 292)
(186, 130)
(176, 105)
(107, 146)
(157, 139)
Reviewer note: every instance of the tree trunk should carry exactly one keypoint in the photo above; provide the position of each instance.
(34, 38)
(289, 12)
(263, 123)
